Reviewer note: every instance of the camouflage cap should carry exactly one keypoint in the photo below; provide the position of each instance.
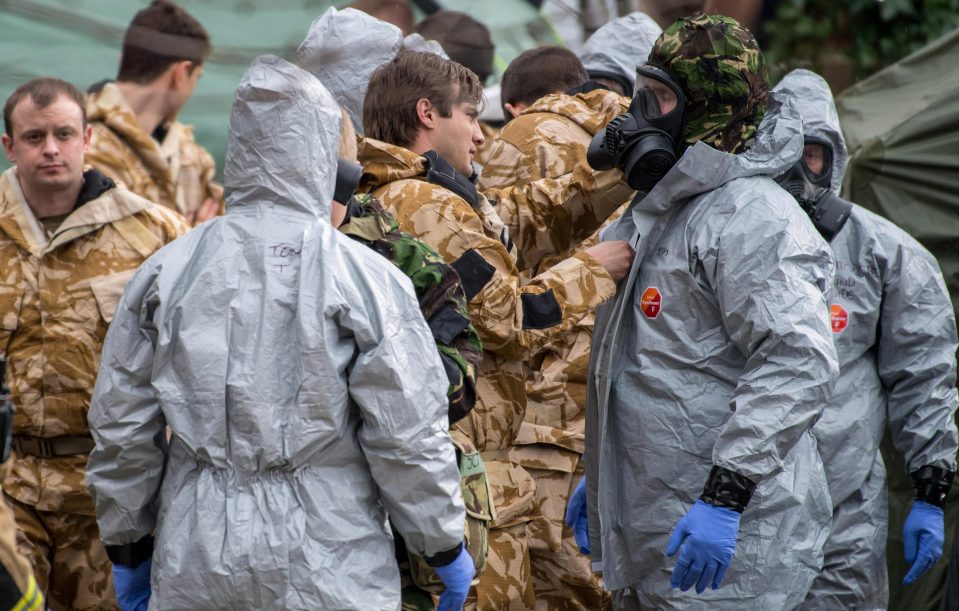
(721, 69)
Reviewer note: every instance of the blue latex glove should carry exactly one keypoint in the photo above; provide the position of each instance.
(576, 516)
(710, 536)
(132, 586)
(456, 576)
(922, 536)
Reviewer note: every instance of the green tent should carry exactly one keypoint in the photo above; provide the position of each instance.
(80, 40)
(902, 129)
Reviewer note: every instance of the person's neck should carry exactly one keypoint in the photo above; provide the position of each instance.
(421, 144)
(148, 103)
(46, 203)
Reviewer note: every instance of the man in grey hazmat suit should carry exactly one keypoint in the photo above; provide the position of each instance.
(301, 385)
(895, 334)
(715, 360)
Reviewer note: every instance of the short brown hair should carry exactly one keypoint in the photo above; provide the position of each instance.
(538, 72)
(464, 39)
(389, 109)
(43, 91)
(159, 36)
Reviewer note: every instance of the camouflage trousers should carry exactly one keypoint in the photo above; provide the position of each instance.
(505, 584)
(18, 588)
(69, 561)
(562, 577)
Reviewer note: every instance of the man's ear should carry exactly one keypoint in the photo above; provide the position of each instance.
(426, 113)
(515, 111)
(181, 72)
(8, 147)
(87, 134)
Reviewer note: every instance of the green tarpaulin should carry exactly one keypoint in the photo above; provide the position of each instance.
(902, 128)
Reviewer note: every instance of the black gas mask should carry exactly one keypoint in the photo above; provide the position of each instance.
(643, 143)
(348, 175)
(828, 211)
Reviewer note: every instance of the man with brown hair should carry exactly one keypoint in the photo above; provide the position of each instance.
(536, 73)
(136, 137)
(422, 110)
(547, 140)
(69, 241)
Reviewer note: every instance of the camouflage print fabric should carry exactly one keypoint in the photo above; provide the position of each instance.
(548, 140)
(18, 588)
(470, 236)
(70, 563)
(506, 585)
(562, 577)
(176, 173)
(57, 297)
(483, 151)
(438, 290)
(721, 69)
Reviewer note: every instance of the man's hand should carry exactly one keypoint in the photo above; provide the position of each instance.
(210, 208)
(456, 576)
(616, 257)
(922, 538)
(576, 516)
(709, 533)
(132, 586)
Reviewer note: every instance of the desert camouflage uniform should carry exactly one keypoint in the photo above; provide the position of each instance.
(514, 321)
(483, 151)
(176, 173)
(57, 297)
(548, 140)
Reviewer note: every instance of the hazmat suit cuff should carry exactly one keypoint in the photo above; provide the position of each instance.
(444, 558)
(131, 554)
(725, 488)
(932, 484)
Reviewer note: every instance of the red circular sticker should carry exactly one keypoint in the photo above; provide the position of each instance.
(652, 302)
(838, 317)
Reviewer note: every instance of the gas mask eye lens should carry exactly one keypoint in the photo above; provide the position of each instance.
(815, 157)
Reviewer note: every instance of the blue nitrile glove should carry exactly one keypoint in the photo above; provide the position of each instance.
(576, 516)
(132, 585)
(456, 576)
(710, 536)
(922, 536)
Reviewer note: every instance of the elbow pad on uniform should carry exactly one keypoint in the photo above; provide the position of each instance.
(932, 484)
(725, 488)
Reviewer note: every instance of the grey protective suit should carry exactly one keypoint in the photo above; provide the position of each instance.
(344, 47)
(716, 351)
(614, 50)
(301, 385)
(895, 335)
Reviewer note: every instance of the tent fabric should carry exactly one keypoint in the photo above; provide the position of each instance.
(902, 129)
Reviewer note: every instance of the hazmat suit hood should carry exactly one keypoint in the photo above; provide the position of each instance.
(819, 116)
(344, 47)
(284, 136)
(615, 49)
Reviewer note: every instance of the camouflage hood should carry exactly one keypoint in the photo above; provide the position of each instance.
(344, 47)
(283, 140)
(591, 110)
(722, 71)
(615, 49)
(819, 116)
(384, 163)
